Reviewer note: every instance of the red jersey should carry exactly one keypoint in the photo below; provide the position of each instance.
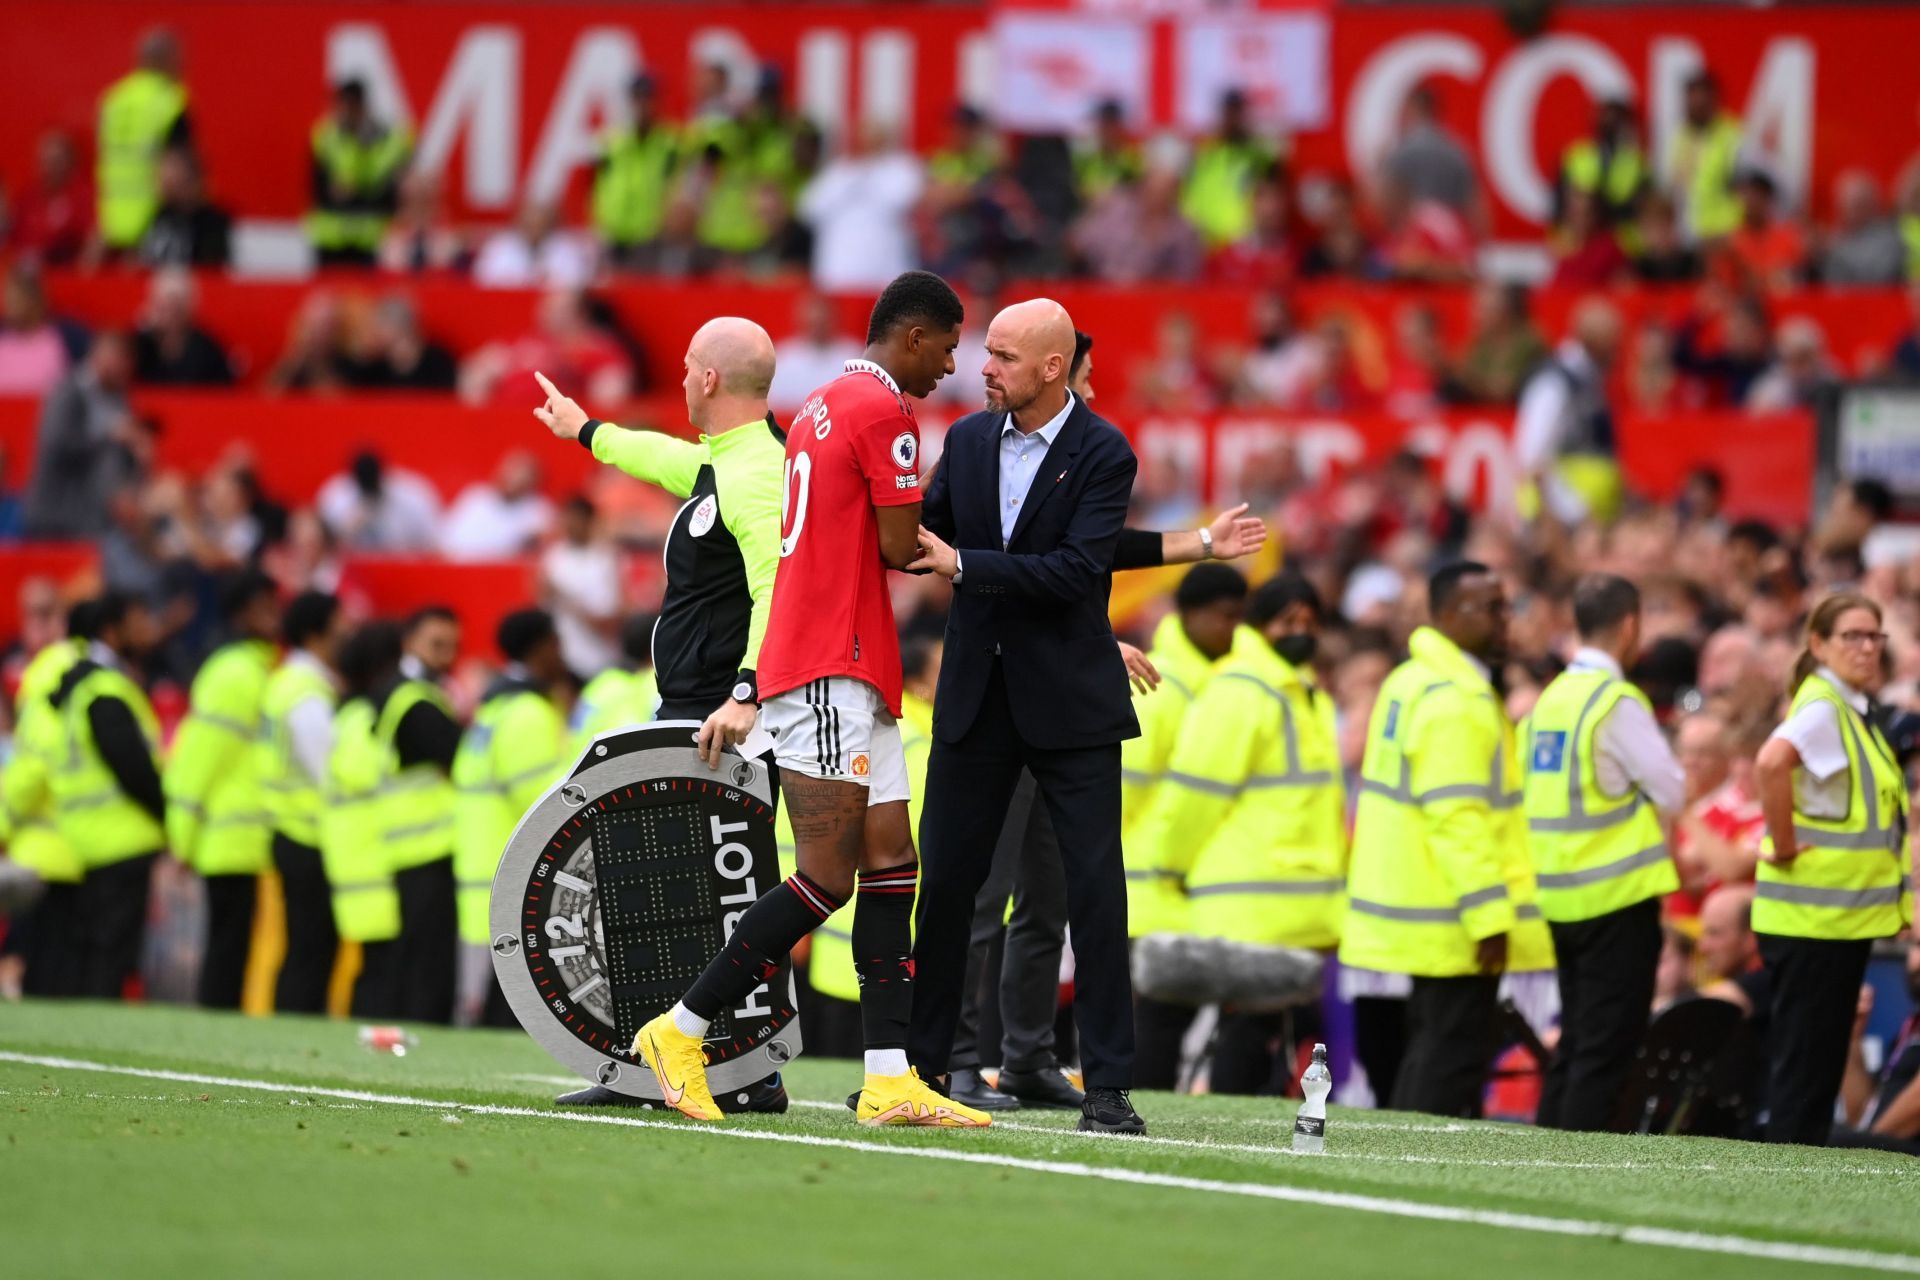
(853, 446)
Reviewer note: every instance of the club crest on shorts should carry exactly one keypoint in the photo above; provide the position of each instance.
(905, 450)
(860, 766)
(704, 516)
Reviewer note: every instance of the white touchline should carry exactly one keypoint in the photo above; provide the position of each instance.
(1214, 1146)
(1695, 1241)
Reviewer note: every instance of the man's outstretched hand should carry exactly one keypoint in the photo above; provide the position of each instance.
(1235, 533)
(565, 418)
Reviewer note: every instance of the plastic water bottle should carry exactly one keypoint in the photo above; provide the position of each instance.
(1310, 1124)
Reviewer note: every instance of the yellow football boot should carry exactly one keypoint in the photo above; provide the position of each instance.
(679, 1063)
(910, 1100)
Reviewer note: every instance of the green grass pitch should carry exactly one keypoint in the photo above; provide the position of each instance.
(158, 1142)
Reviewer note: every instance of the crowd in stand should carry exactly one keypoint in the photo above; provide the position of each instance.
(746, 185)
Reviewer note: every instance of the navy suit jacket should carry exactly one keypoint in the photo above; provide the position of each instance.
(1039, 602)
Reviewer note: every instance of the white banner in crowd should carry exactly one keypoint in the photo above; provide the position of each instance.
(1053, 69)
(1278, 60)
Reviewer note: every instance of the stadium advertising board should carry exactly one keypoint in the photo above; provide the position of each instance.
(617, 887)
(510, 102)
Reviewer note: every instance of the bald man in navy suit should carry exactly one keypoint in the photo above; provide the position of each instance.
(1023, 515)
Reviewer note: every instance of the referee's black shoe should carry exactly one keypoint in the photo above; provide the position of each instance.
(1109, 1111)
(1048, 1089)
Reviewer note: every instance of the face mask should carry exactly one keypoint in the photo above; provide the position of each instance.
(1297, 650)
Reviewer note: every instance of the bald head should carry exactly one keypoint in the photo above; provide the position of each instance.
(1029, 357)
(729, 369)
(739, 351)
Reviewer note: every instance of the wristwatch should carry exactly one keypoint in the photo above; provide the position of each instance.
(1206, 542)
(747, 690)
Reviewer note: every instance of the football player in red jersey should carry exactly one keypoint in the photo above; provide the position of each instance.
(829, 688)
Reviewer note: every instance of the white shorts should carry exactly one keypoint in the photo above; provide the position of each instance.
(839, 728)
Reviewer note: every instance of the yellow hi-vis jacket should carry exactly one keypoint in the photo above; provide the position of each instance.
(635, 176)
(1252, 815)
(137, 113)
(830, 964)
(1704, 162)
(26, 797)
(101, 823)
(509, 756)
(614, 699)
(421, 820)
(1154, 904)
(358, 809)
(1593, 853)
(291, 797)
(1853, 878)
(1440, 844)
(217, 818)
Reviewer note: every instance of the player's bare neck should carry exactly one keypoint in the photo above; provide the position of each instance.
(887, 358)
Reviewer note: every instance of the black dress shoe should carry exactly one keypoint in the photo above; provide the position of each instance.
(769, 1096)
(1049, 1089)
(970, 1088)
(1109, 1111)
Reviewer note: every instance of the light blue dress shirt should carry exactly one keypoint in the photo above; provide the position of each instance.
(1021, 454)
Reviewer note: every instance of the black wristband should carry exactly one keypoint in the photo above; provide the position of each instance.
(586, 433)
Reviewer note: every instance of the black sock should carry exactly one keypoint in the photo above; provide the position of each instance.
(767, 932)
(883, 953)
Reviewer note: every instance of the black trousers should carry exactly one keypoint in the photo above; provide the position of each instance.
(970, 785)
(49, 942)
(427, 953)
(112, 908)
(1453, 1030)
(223, 964)
(1380, 1042)
(1606, 969)
(1027, 868)
(1159, 1030)
(1816, 988)
(376, 991)
(312, 941)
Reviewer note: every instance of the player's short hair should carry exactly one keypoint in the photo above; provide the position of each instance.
(522, 631)
(915, 297)
(1082, 344)
(1279, 593)
(1601, 602)
(309, 615)
(429, 613)
(240, 590)
(1444, 585)
(1207, 583)
(636, 637)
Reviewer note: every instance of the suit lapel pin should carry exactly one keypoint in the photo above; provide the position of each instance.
(1062, 476)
